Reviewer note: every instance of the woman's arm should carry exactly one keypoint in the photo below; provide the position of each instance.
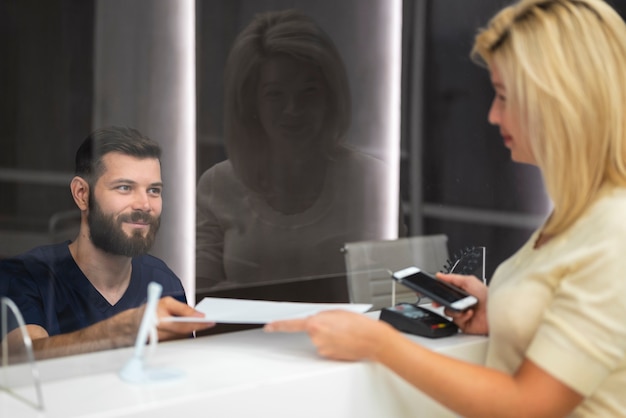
(469, 389)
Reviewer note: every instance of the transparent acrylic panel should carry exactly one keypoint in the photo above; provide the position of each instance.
(135, 369)
(297, 149)
(19, 373)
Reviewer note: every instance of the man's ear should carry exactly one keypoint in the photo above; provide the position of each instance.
(80, 192)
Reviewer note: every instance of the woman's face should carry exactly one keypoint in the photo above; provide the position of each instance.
(292, 102)
(501, 115)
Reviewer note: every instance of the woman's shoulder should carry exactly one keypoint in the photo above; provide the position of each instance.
(219, 186)
(604, 221)
(358, 161)
(220, 169)
(608, 211)
(220, 175)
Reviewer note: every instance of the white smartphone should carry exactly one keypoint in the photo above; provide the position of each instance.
(439, 291)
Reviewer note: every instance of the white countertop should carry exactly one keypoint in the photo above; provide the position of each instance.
(241, 374)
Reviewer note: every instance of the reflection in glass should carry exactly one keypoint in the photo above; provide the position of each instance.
(291, 193)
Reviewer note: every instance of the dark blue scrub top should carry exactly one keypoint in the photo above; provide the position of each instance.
(51, 291)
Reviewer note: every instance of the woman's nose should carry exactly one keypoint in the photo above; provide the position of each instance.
(292, 105)
(494, 114)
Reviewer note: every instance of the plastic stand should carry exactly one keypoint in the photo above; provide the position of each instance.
(135, 370)
(20, 375)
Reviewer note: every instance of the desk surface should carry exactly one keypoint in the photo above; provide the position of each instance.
(242, 374)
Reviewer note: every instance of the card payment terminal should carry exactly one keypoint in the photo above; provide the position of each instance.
(413, 319)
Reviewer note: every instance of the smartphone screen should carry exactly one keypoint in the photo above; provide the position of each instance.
(439, 291)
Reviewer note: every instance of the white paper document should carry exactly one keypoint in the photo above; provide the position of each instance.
(244, 311)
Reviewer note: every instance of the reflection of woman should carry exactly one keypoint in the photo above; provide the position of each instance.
(290, 194)
(555, 312)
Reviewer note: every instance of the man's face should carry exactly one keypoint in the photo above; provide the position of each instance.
(125, 205)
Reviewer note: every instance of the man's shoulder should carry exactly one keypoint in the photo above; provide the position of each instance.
(33, 267)
(148, 268)
(153, 266)
(42, 255)
(42, 251)
(151, 261)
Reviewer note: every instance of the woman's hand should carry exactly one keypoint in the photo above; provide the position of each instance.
(473, 320)
(339, 335)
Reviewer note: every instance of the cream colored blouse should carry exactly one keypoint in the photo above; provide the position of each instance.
(563, 306)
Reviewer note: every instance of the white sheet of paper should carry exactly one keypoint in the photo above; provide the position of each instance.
(244, 311)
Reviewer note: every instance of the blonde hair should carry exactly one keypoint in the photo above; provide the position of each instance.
(563, 64)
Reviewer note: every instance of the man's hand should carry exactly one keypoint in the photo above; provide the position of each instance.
(118, 331)
(168, 307)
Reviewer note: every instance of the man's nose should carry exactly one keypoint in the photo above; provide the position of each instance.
(142, 202)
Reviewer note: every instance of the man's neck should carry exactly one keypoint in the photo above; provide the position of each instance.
(108, 273)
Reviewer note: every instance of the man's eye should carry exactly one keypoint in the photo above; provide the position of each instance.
(123, 187)
(155, 191)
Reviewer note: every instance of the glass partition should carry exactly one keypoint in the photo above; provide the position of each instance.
(385, 135)
(19, 374)
(297, 142)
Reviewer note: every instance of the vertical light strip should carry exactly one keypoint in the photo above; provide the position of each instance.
(145, 78)
(392, 143)
(187, 144)
(415, 124)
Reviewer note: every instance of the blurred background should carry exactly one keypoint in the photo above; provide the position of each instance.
(419, 107)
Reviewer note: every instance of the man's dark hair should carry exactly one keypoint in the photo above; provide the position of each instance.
(127, 141)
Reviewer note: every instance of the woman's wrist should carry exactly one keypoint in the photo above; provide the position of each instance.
(386, 338)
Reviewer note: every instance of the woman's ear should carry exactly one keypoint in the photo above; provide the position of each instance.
(80, 192)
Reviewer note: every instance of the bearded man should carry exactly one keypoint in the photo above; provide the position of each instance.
(88, 294)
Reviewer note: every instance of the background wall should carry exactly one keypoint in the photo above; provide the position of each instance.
(472, 190)
(456, 176)
(144, 77)
(130, 58)
(46, 85)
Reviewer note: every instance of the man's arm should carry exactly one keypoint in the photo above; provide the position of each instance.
(117, 331)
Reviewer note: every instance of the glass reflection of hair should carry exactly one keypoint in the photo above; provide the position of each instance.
(291, 192)
(279, 37)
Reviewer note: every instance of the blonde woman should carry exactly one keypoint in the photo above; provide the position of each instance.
(554, 311)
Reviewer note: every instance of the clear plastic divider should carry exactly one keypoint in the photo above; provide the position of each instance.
(19, 375)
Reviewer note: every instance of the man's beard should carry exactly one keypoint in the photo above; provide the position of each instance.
(107, 233)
